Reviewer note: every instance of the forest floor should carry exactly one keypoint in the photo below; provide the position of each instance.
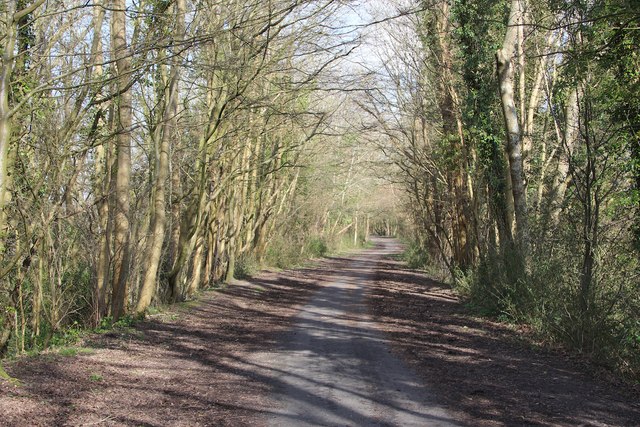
(358, 340)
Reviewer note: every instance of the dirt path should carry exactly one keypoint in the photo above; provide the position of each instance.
(312, 347)
(334, 368)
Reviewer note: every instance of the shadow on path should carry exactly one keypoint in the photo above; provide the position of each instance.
(483, 372)
(301, 347)
(335, 368)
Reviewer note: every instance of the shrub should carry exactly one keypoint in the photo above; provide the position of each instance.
(284, 252)
(245, 267)
(546, 295)
(416, 256)
(317, 247)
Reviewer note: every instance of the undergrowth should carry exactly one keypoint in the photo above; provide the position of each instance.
(547, 297)
(545, 294)
(288, 251)
(64, 341)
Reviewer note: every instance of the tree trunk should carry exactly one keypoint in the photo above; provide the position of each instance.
(505, 65)
(366, 228)
(195, 281)
(355, 230)
(453, 134)
(102, 179)
(570, 138)
(153, 250)
(6, 69)
(123, 123)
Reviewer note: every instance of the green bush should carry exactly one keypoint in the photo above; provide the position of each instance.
(284, 252)
(68, 336)
(245, 267)
(317, 247)
(546, 296)
(416, 256)
(126, 321)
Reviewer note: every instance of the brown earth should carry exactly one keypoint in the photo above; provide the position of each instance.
(182, 368)
(485, 373)
(192, 366)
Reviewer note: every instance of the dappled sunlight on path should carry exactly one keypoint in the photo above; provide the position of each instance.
(335, 368)
(352, 341)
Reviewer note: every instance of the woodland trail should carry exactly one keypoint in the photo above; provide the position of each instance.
(335, 368)
(353, 341)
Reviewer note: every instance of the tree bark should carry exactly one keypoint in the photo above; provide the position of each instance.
(153, 250)
(453, 133)
(6, 70)
(505, 65)
(123, 123)
(570, 138)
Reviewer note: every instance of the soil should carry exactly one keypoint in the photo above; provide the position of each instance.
(196, 365)
(334, 367)
(182, 368)
(487, 373)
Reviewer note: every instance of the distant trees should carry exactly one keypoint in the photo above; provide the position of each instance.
(514, 129)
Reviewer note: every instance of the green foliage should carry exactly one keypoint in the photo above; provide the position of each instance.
(5, 376)
(416, 256)
(127, 321)
(68, 336)
(284, 252)
(497, 287)
(245, 267)
(317, 247)
(106, 323)
(546, 297)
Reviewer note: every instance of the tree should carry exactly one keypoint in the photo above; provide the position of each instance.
(164, 133)
(505, 58)
(123, 122)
